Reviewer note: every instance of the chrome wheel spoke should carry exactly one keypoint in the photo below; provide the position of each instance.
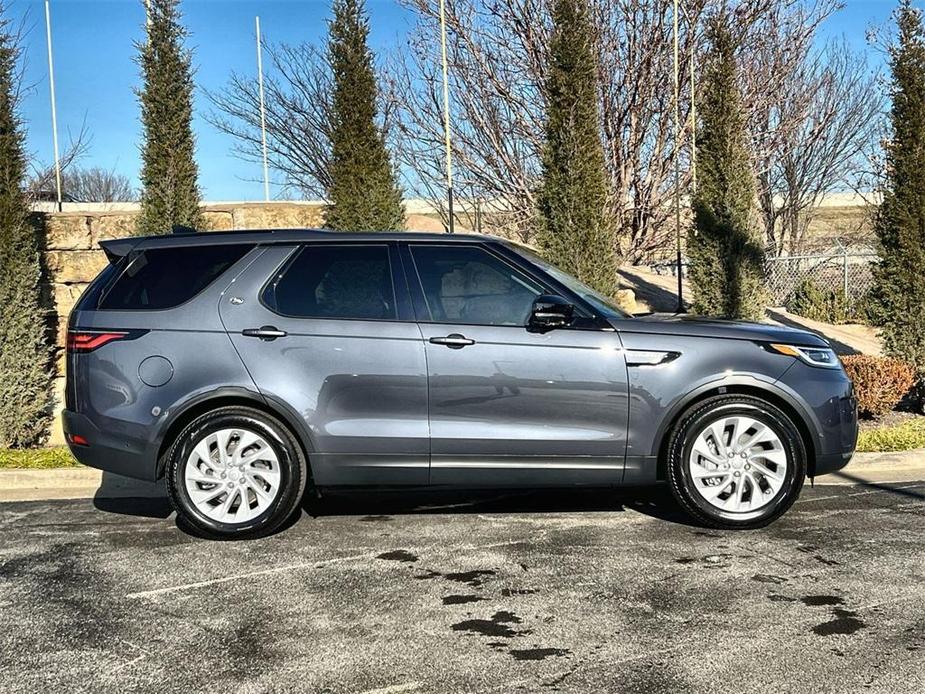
(757, 499)
(203, 496)
(201, 477)
(243, 511)
(775, 455)
(702, 448)
(740, 492)
(203, 451)
(270, 474)
(221, 443)
(760, 434)
(740, 425)
(259, 491)
(718, 432)
(699, 472)
(767, 472)
(712, 492)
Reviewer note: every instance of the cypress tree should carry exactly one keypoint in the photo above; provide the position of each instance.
(725, 252)
(899, 292)
(169, 175)
(25, 380)
(363, 195)
(574, 231)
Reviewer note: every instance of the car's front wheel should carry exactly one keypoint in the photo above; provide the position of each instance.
(736, 461)
(235, 473)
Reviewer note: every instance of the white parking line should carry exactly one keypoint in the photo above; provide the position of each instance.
(871, 491)
(395, 689)
(227, 579)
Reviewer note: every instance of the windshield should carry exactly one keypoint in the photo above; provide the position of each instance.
(602, 304)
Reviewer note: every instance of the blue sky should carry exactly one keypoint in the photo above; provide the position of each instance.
(96, 73)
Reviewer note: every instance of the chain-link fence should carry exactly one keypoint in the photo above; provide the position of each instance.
(845, 276)
(845, 273)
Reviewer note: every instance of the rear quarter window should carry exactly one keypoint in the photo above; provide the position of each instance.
(162, 278)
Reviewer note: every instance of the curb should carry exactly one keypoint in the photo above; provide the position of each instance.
(88, 483)
(72, 483)
(880, 468)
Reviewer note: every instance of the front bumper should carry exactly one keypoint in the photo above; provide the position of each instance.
(832, 414)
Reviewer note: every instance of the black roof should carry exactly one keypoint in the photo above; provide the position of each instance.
(116, 248)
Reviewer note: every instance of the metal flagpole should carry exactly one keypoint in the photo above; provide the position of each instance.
(263, 115)
(677, 159)
(446, 115)
(693, 122)
(54, 109)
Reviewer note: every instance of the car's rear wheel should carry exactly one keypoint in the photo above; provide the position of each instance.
(236, 473)
(736, 461)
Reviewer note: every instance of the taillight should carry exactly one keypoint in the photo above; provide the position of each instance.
(87, 341)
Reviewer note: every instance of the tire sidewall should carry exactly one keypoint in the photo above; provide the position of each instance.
(272, 434)
(766, 414)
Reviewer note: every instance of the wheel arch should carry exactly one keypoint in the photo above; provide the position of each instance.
(783, 401)
(226, 398)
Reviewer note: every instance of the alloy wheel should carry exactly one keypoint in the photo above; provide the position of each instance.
(232, 475)
(738, 464)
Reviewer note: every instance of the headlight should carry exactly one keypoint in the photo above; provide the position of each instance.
(814, 356)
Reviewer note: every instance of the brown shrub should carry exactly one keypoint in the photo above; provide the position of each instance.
(879, 382)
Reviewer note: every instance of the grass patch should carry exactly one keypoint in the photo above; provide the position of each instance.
(905, 436)
(36, 458)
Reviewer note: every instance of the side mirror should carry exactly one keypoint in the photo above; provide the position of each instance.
(549, 312)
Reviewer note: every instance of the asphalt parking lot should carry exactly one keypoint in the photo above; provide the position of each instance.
(537, 592)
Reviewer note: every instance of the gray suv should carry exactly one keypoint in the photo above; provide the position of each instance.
(245, 366)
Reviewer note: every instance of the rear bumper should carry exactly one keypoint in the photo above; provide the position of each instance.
(108, 450)
(834, 462)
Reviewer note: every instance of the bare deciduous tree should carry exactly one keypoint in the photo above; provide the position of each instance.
(297, 97)
(98, 185)
(297, 94)
(497, 52)
(815, 113)
(41, 182)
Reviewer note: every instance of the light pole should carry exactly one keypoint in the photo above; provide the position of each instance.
(54, 108)
(263, 114)
(677, 159)
(678, 8)
(446, 116)
(692, 43)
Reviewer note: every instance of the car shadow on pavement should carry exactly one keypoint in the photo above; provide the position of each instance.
(655, 502)
(880, 486)
(651, 501)
(128, 497)
(145, 507)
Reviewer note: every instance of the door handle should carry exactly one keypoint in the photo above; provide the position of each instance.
(453, 341)
(265, 332)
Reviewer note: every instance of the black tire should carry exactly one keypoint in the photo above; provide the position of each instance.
(292, 464)
(682, 440)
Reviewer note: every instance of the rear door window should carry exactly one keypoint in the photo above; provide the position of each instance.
(327, 281)
(161, 278)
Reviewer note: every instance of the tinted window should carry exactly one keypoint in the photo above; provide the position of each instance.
(602, 304)
(336, 282)
(467, 284)
(161, 278)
